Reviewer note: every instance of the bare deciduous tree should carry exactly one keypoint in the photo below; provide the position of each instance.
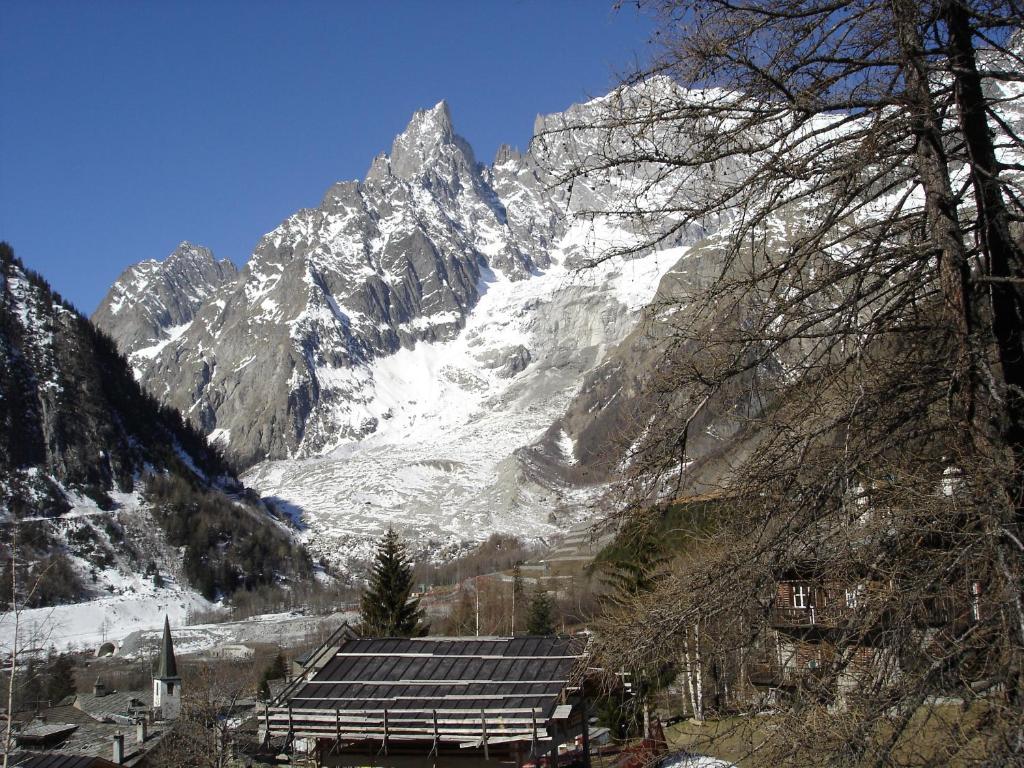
(853, 310)
(204, 733)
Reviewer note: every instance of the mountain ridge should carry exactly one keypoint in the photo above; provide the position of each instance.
(378, 265)
(358, 360)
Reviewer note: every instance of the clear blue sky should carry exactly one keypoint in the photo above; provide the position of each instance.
(126, 127)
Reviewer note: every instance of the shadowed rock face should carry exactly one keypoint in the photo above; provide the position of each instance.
(70, 413)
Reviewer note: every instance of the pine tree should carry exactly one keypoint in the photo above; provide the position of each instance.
(60, 678)
(386, 609)
(276, 670)
(517, 595)
(633, 566)
(540, 620)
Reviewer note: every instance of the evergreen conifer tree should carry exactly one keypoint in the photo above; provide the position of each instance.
(276, 670)
(517, 596)
(386, 609)
(632, 567)
(60, 678)
(540, 620)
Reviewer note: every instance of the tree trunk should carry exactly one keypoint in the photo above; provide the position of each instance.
(1005, 262)
(946, 232)
(689, 675)
(699, 677)
(1004, 255)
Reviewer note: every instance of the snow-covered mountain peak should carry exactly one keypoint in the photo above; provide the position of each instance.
(151, 299)
(190, 256)
(428, 145)
(506, 154)
(430, 124)
(425, 317)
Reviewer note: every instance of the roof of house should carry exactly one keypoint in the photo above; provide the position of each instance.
(114, 703)
(409, 686)
(56, 760)
(45, 733)
(442, 673)
(76, 734)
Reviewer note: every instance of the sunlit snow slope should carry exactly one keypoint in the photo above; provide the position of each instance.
(441, 466)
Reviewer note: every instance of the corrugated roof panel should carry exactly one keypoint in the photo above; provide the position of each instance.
(339, 667)
(429, 668)
(446, 648)
(530, 646)
(459, 669)
(347, 669)
(444, 669)
(400, 671)
(478, 670)
(382, 668)
(520, 669)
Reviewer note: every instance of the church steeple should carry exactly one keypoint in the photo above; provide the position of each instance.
(167, 667)
(166, 682)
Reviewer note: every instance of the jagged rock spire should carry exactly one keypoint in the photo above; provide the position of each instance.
(167, 668)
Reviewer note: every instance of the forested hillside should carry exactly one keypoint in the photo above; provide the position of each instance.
(81, 441)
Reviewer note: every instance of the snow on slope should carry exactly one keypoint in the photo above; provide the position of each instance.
(286, 630)
(83, 626)
(395, 354)
(123, 598)
(441, 466)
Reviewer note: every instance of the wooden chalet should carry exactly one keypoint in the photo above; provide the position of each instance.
(808, 617)
(811, 641)
(434, 701)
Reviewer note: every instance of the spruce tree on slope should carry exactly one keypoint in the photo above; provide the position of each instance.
(540, 620)
(386, 608)
(276, 670)
(60, 681)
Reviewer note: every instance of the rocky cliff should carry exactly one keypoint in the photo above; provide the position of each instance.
(268, 362)
(152, 301)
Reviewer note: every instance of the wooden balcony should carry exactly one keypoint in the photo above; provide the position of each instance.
(769, 674)
(765, 674)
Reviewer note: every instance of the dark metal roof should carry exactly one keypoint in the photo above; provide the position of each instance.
(55, 760)
(452, 689)
(45, 733)
(440, 673)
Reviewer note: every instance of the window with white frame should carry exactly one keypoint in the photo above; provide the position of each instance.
(801, 596)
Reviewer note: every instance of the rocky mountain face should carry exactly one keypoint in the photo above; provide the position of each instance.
(152, 300)
(268, 363)
(88, 456)
(399, 353)
(441, 346)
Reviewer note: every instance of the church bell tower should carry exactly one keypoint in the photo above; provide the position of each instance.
(166, 683)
